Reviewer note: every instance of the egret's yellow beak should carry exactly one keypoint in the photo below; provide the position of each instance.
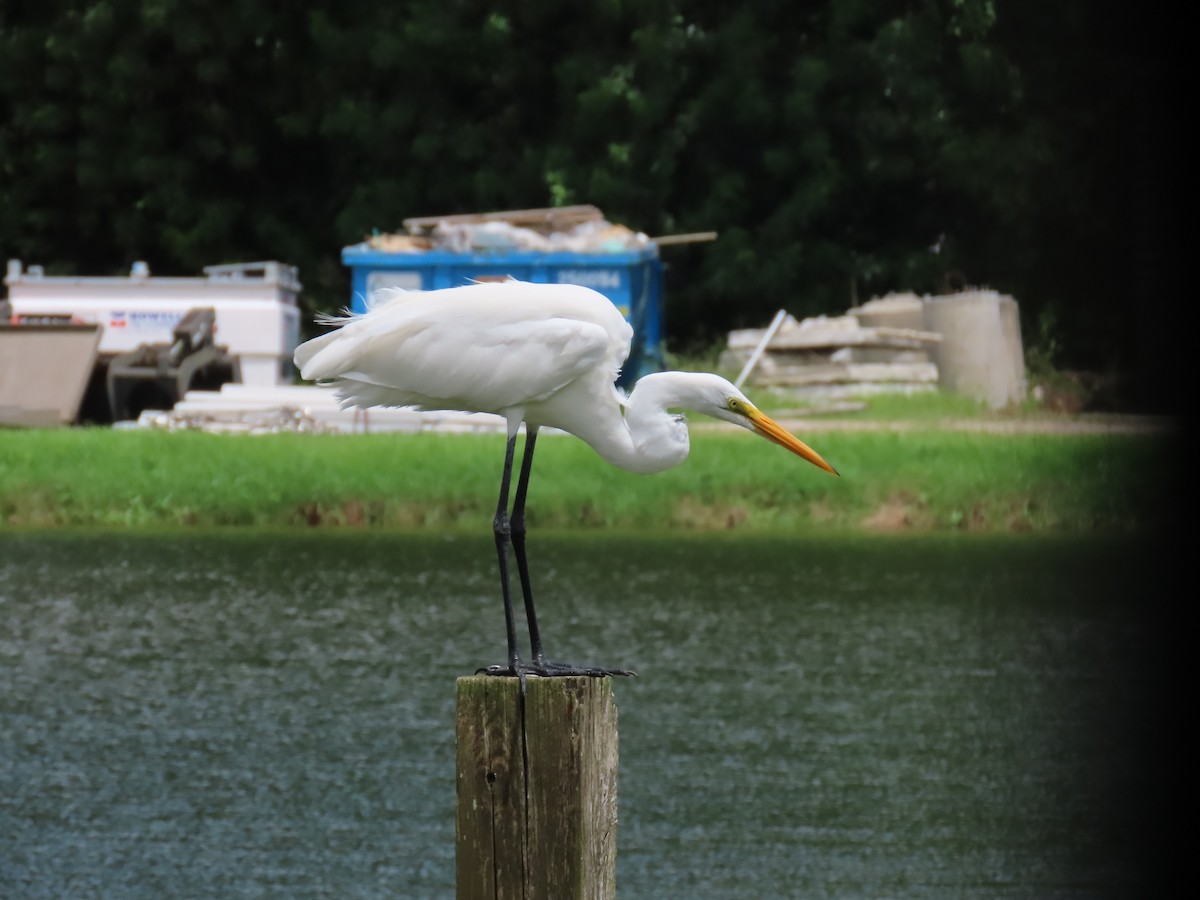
(773, 431)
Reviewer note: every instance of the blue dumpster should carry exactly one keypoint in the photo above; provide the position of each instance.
(631, 279)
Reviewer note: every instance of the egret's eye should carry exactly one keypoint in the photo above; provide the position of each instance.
(735, 404)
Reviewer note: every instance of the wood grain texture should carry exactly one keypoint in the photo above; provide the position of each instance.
(537, 788)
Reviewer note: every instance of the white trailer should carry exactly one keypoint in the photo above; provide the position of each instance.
(257, 319)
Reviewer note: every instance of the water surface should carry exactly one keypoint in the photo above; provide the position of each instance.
(242, 715)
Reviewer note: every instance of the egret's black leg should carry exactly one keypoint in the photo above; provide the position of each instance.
(539, 665)
(517, 524)
(511, 529)
(502, 529)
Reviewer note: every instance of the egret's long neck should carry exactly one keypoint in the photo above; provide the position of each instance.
(648, 438)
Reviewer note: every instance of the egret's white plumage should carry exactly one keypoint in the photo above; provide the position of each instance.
(486, 347)
(538, 354)
(543, 354)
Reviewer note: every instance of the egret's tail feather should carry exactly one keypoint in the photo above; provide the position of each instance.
(324, 357)
(340, 318)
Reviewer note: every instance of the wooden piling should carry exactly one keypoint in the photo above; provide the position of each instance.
(537, 789)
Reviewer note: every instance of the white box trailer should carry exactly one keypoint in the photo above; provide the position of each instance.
(257, 319)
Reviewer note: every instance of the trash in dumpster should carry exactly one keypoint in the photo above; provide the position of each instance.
(574, 229)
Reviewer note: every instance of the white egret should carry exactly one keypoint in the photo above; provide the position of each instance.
(538, 354)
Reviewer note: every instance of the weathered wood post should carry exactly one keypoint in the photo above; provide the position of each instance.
(537, 789)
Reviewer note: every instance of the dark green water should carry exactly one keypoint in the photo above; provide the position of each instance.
(272, 715)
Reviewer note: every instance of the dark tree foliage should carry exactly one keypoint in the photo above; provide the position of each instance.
(842, 149)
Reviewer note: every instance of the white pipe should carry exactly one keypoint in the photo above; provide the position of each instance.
(762, 345)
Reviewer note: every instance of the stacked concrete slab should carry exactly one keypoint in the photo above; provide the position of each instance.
(968, 343)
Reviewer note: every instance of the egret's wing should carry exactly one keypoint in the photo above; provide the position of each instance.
(456, 352)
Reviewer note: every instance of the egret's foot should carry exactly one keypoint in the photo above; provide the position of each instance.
(548, 669)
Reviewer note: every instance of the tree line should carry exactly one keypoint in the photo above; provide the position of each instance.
(842, 149)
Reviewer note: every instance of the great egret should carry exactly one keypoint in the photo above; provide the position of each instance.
(541, 354)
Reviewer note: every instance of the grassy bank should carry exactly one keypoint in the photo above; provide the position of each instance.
(891, 480)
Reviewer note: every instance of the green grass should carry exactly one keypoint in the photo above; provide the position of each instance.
(891, 480)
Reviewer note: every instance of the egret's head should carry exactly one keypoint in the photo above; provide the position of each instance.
(730, 404)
